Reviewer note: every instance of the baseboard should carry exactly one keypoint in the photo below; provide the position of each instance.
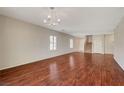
(118, 62)
(36, 61)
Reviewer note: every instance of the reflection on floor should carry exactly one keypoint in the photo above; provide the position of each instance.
(71, 69)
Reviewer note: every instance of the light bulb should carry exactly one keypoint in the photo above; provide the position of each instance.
(49, 16)
(58, 20)
(54, 24)
(45, 21)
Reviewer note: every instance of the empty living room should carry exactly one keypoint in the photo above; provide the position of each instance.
(61, 46)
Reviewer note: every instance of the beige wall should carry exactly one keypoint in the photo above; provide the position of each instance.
(103, 43)
(81, 45)
(98, 44)
(119, 44)
(109, 43)
(22, 43)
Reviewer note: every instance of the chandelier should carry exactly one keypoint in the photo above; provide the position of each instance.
(52, 18)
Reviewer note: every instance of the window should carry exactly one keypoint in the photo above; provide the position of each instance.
(71, 43)
(53, 42)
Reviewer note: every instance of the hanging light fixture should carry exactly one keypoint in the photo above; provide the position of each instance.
(52, 18)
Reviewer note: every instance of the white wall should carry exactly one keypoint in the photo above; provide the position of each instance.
(81, 45)
(119, 44)
(22, 43)
(2, 53)
(98, 44)
(103, 43)
(109, 43)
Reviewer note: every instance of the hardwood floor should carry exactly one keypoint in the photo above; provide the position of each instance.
(72, 69)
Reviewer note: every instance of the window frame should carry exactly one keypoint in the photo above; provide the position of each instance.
(71, 42)
(53, 43)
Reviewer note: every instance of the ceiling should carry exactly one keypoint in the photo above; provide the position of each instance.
(74, 21)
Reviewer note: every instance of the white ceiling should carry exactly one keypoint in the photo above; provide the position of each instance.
(74, 21)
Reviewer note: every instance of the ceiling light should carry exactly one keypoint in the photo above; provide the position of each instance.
(49, 16)
(58, 20)
(45, 21)
(52, 18)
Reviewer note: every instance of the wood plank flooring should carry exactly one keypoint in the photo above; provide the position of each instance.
(76, 69)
